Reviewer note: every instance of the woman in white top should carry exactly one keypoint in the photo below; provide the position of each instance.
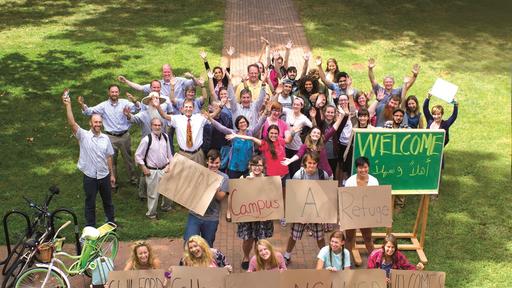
(295, 120)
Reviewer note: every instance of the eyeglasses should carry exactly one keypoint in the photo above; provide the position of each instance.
(276, 110)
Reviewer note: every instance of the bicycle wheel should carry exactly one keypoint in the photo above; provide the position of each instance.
(12, 273)
(108, 246)
(35, 277)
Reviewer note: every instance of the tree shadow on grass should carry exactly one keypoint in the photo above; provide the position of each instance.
(472, 215)
(33, 13)
(459, 33)
(137, 24)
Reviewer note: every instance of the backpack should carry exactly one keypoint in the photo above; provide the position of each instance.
(150, 140)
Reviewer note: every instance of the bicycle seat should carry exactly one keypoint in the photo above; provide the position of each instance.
(90, 233)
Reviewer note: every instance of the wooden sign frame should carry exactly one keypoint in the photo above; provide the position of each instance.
(417, 236)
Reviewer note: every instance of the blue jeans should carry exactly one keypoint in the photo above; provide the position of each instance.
(203, 228)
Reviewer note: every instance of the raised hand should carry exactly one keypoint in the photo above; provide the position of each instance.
(407, 80)
(312, 113)
(65, 97)
(131, 98)
(289, 45)
(349, 82)
(279, 89)
(380, 94)
(371, 63)
(121, 79)
(263, 40)
(203, 55)
(206, 114)
(200, 81)
(230, 51)
(126, 111)
(80, 99)
(415, 69)
(306, 56)
(209, 73)
(276, 54)
(318, 61)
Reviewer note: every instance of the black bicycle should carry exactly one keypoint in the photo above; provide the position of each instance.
(39, 230)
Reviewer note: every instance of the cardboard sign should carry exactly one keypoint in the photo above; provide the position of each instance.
(266, 279)
(307, 278)
(417, 279)
(136, 278)
(311, 201)
(444, 90)
(186, 277)
(365, 207)
(256, 199)
(374, 278)
(189, 184)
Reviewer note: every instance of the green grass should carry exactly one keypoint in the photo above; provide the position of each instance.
(467, 43)
(46, 46)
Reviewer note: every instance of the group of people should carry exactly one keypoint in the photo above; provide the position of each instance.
(273, 123)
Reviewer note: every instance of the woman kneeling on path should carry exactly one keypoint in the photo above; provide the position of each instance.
(142, 257)
(199, 254)
(266, 258)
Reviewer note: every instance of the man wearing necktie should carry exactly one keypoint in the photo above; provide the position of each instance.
(189, 130)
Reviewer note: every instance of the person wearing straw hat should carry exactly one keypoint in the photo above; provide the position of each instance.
(143, 119)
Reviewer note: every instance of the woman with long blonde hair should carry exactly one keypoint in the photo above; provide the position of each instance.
(266, 258)
(199, 254)
(142, 257)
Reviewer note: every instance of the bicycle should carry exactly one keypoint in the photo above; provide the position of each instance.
(102, 241)
(38, 231)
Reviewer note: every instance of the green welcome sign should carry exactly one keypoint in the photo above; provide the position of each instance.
(407, 159)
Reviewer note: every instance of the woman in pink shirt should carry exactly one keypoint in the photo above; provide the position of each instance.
(266, 258)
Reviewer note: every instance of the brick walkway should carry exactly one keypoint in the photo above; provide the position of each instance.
(276, 20)
(246, 22)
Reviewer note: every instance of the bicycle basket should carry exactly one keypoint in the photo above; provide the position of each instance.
(45, 252)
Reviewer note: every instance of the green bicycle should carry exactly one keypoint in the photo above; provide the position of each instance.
(102, 241)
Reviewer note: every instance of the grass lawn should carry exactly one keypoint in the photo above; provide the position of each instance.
(48, 45)
(467, 43)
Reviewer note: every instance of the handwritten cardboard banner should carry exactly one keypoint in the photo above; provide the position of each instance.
(256, 199)
(305, 278)
(189, 184)
(266, 279)
(311, 201)
(183, 277)
(365, 207)
(417, 279)
(136, 278)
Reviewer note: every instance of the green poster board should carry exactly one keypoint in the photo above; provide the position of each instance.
(407, 159)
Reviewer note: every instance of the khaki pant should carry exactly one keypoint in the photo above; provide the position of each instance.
(151, 183)
(123, 144)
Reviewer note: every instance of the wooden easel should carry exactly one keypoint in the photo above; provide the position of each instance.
(419, 229)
